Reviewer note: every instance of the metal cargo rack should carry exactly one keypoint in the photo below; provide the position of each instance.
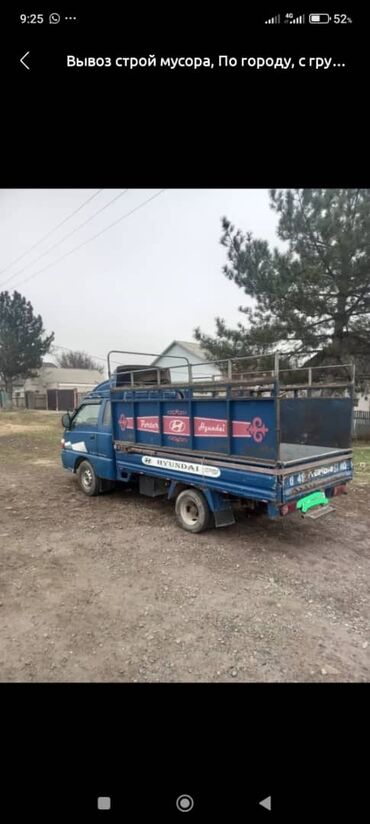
(309, 413)
(232, 375)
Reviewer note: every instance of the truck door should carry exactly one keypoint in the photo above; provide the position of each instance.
(81, 437)
(104, 440)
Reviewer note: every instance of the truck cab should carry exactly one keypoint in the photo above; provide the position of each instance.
(87, 445)
(88, 434)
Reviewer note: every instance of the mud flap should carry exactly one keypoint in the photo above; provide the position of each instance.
(220, 507)
(224, 517)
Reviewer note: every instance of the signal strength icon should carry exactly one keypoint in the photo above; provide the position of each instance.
(300, 19)
(275, 19)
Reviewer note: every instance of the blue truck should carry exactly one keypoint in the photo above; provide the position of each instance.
(206, 443)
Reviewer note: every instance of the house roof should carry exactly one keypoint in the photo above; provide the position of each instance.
(59, 374)
(189, 346)
(51, 374)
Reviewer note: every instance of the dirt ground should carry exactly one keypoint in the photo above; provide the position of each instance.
(110, 589)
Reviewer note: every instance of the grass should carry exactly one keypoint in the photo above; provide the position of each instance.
(361, 461)
(29, 434)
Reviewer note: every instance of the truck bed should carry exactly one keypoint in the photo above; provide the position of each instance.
(292, 453)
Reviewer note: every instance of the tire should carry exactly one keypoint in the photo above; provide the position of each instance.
(87, 479)
(192, 511)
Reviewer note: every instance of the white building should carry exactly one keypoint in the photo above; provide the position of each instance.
(54, 388)
(363, 402)
(193, 353)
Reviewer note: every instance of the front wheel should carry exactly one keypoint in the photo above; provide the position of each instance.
(87, 479)
(192, 510)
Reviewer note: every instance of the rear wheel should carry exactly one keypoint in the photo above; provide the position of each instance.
(87, 479)
(192, 510)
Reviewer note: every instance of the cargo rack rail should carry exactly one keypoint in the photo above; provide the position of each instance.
(231, 376)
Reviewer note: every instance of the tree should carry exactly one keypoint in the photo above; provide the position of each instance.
(312, 296)
(78, 360)
(22, 344)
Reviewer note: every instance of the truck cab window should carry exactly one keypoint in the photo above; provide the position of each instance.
(87, 415)
(107, 416)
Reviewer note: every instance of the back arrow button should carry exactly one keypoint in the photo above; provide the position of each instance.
(23, 63)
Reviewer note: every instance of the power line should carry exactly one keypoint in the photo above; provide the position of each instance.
(85, 242)
(76, 229)
(51, 231)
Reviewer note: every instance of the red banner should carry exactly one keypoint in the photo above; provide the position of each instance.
(210, 427)
(173, 425)
(255, 429)
(147, 423)
(179, 425)
(125, 423)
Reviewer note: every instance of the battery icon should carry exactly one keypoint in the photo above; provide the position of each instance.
(319, 18)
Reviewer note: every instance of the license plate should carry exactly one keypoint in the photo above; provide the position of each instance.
(314, 499)
(319, 511)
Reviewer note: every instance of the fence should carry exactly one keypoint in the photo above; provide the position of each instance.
(361, 425)
(58, 400)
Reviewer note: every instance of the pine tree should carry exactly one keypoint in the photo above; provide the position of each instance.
(22, 344)
(313, 296)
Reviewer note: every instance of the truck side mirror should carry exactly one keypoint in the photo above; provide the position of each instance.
(66, 420)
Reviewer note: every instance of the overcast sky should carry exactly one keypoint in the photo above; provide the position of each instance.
(146, 281)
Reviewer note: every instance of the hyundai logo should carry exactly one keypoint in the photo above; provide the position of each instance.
(177, 425)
